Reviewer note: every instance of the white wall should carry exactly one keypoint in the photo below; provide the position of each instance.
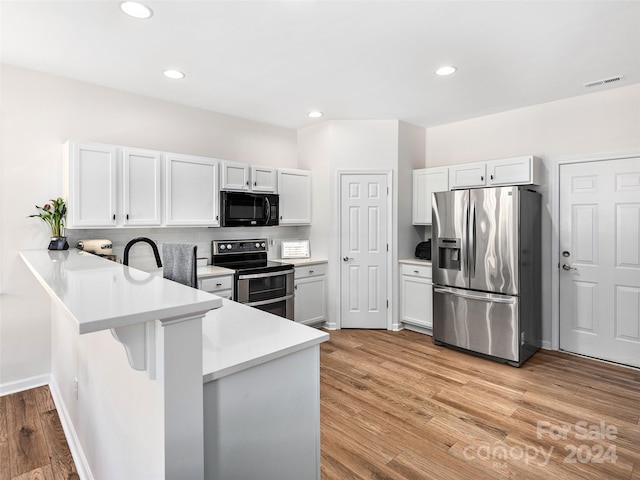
(597, 123)
(39, 113)
(384, 145)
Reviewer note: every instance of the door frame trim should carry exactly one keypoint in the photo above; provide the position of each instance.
(338, 234)
(555, 231)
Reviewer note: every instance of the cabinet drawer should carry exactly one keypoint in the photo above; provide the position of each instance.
(311, 270)
(228, 294)
(212, 284)
(417, 270)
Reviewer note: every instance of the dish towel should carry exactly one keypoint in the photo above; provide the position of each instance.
(179, 263)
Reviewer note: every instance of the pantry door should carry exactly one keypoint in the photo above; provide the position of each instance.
(364, 216)
(600, 259)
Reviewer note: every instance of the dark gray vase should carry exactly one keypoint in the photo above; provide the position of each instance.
(58, 243)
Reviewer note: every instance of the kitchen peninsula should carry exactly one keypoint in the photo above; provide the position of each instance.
(152, 409)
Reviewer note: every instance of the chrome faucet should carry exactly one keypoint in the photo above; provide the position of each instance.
(131, 243)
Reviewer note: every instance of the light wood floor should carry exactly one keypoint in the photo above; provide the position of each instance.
(32, 442)
(395, 406)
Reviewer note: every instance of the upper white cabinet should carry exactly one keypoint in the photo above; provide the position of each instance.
(90, 184)
(294, 188)
(191, 190)
(425, 182)
(526, 170)
(141, 187)
(515, 171)
(243, 177)
(467, 175)
(263, 179)
(234, 176)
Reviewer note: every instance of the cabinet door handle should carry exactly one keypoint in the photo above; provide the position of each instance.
(416, 271)
(296, 287)
(491, 177)
(218, 284)
(310, 272)
(247, 183)
(255, 184)
(114, 216)
(127, 216)
(482, 178)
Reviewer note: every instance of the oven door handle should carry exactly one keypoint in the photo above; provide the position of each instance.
(264, 275)
(267, 302)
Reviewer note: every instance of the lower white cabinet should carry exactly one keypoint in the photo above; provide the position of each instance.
(310, 303)
(221, 286)
(416, 293)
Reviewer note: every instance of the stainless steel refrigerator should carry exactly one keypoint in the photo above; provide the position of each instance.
(487, 272)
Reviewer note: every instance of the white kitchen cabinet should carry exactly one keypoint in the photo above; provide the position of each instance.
(234, 176)
(310, 301)
(525, 170)
(263, 179)
(191, 190)
(247, 178)
(141, 187)
(425, 182)
(416, 295)
(221, 286)
(90, 184)
(294, 188)
(467, 175)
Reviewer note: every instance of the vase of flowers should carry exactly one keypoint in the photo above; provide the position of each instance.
(53, 214)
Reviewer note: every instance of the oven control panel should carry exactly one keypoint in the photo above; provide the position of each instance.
(221, 247)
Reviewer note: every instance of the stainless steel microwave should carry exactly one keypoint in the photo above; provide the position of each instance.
(243, 209)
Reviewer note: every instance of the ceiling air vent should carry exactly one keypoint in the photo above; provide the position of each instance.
(604, 81)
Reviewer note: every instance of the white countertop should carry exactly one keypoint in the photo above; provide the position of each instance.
(300, 262)
(415, 261)
(237, 337)
(101, 294)
(213, 271)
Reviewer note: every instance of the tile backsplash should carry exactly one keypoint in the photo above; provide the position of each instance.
(141, 255)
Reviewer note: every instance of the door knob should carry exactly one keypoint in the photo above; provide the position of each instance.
(346, 259)
(568, 267)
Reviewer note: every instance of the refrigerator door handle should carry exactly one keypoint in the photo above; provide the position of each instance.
(472, 241)
(486, 297)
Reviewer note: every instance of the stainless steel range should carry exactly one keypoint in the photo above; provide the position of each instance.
(259, 282)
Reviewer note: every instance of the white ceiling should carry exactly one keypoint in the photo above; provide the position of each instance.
(275, 61)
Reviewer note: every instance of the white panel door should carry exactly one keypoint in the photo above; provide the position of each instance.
(363, 230)
(600, 260)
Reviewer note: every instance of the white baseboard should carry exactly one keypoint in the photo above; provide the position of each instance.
(546, 345)
(419, 329)
(25, 384)
(84, 472)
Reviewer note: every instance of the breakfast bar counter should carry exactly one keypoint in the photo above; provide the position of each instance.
(153, 379)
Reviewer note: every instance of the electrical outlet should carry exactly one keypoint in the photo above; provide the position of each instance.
(75, 387)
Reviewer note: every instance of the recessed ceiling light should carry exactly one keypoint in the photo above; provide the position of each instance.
(136, 9)
(314, 114)
(175, 74)
(446, 70)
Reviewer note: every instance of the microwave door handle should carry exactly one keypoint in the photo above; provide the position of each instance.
(267, 210)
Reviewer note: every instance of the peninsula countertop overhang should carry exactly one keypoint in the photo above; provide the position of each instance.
(101, 294)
